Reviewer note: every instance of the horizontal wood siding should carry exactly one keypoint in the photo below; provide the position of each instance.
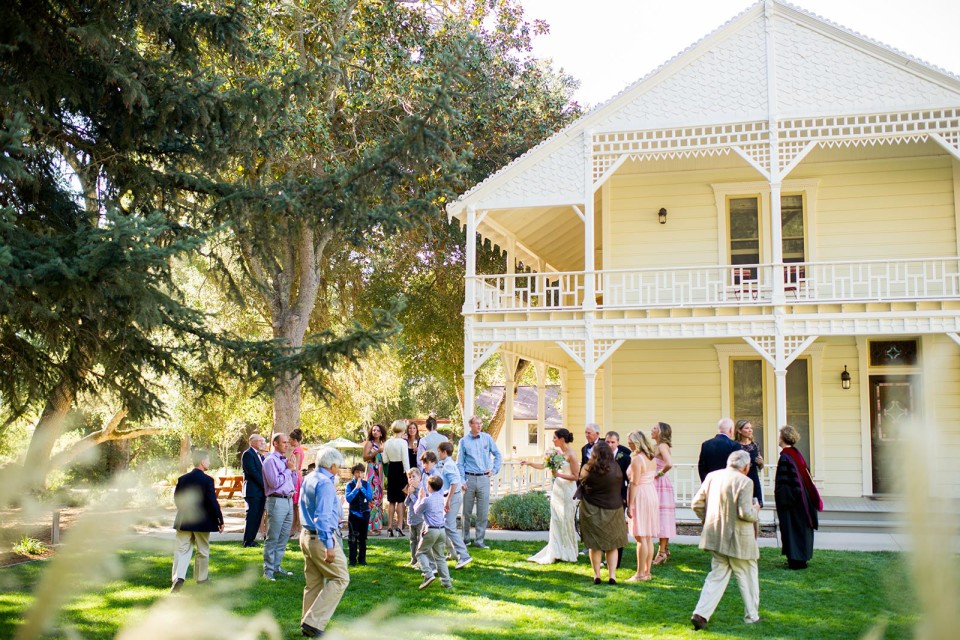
(945, 387)
(869, 209)
(842, 439)
(677, 382)
(575, 397)
(897, 208)
(689, 237)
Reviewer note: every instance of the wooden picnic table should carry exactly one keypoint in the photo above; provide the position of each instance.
(229, 485)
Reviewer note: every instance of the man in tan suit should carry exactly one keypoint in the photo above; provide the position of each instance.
(725, 504)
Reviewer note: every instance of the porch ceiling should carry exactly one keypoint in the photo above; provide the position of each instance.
(554, 234)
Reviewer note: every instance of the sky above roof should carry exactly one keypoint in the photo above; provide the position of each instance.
(608, 44)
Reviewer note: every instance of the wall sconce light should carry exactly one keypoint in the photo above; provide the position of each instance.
(845, 378)
(662, 215)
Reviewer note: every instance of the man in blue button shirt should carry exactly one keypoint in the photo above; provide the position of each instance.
(325, 566)
(477, 460)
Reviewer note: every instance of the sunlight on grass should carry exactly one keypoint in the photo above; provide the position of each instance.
(500, 596)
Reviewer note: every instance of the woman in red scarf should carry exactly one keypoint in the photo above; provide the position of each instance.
(798, 501)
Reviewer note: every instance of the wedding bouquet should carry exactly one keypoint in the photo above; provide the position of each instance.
(553, 459)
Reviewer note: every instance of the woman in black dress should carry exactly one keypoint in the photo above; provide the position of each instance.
(413, 441)
(798, 501)
(743, 433)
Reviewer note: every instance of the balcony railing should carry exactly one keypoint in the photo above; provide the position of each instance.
(726, 285)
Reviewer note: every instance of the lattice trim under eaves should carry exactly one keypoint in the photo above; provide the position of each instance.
(482, 352)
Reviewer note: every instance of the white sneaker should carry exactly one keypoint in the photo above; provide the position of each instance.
(461, 564)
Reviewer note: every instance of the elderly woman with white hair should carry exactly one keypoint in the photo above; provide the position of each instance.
(325, 566)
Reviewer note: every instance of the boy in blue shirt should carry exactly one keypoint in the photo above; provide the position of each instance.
(433, 538)
(359, 493)
(414, 521)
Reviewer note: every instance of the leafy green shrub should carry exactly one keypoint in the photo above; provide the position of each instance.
(524, 512)
(29, 547)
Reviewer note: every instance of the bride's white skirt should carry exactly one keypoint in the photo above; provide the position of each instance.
(562, 545)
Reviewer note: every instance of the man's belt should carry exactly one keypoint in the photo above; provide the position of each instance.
(475, 474)
(279, 495)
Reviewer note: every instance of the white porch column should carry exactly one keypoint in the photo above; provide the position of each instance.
(564, 400)
(470, 299)
(511, 268)
(589, 284)
(780, 389)
(541, 370)
(776, 238)
(469, 390)
(469, 398)
(590, 396)
(780, 370)
(509, 366)
(776, 228)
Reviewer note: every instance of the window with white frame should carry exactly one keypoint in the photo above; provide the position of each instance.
(743, 210)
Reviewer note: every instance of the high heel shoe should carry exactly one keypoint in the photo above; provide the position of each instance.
(390, 532)
(663, 557)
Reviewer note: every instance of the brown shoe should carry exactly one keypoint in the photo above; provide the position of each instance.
(663, 557)
(698, 621)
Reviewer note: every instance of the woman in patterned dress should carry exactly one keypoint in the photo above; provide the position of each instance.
(662, 435)
(373, 456)
(643, 505)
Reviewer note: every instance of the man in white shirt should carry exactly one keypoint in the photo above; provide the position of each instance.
(431, 441)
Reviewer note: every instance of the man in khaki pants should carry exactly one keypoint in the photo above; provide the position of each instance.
(325, 566)
(725, 504)
(198, 513)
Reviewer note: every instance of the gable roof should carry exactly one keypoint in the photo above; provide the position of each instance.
(819, 68)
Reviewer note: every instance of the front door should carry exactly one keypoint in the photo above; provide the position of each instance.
(893, 409)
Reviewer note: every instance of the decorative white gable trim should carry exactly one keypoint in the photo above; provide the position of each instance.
(720, 95)
(727, 82)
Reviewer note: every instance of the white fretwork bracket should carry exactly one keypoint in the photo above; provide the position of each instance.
(577, 350)
(758, 155)
(603, 349)
(482, 351)
(954, 337)
(765, 346)
(949, 140)
(790, 349)
(793, 346)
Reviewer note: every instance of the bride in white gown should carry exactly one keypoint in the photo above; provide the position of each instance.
(562, 545)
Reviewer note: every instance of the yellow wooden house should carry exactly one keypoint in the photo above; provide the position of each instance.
(765, 227)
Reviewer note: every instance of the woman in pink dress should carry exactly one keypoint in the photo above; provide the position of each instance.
(663, 436)
(296, 439)
(643, 505)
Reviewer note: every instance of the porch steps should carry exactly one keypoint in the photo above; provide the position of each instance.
(840, 515)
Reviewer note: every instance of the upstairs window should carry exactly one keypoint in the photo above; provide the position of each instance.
(744, 229)
(792, 228)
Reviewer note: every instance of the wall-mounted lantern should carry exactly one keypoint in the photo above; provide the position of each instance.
(662, 215)
(845, 378)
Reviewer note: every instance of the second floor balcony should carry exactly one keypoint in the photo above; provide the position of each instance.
(803, 283)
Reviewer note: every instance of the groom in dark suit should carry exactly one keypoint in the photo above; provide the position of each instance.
(622, 455)
(254, 495)
(715, 451)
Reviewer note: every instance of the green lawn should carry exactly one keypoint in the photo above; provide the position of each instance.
(842, 595)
